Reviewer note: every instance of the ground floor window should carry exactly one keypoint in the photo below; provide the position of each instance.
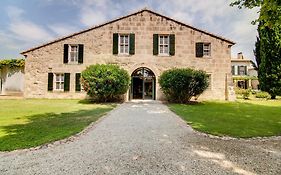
(59, 81)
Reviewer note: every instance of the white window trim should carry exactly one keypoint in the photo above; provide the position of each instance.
(210, 50)
(163, 54)
(69, 55)
(119, 44)
(55, 82)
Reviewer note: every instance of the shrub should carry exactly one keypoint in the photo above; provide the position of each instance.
(105, 83)
(262, 95)
(245, 93)
(180, 85)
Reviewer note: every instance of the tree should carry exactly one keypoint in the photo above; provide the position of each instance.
(180, 85)
(270, 12)
(270, 60)
(257, 54)
(105, 83)
(268, 45)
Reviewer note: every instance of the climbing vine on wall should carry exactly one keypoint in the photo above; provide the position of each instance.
(12, 63)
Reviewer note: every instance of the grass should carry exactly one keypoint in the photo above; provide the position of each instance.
(242, 119)
(29, 123)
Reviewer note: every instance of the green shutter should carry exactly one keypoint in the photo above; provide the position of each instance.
(77, 82)
(80, 53)
(66, 81)
(172, 44)
(132, 44)
(50, 81)
(199, 49)
(65, 54)
(155, 44)
(115, 44)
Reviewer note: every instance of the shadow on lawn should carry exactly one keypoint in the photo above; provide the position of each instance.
(48, 127)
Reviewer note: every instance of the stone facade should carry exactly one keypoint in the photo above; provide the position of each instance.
(98, 44)
(245, 79)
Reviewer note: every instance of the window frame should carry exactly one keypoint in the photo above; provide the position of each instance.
(163, 44)
(208, 50)
(210, 79)
(69, 54)
(243, 70)
(61, 82)
(124, 44)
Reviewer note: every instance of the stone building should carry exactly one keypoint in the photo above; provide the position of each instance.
(245, 76)
(144, 43)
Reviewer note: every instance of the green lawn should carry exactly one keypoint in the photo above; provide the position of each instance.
(29, 123)
(245, 118)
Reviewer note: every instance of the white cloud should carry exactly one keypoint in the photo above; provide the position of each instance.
(23, 29)
(91, 17)
(62, 29)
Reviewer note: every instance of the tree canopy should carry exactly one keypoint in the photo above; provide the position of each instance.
(270, 12)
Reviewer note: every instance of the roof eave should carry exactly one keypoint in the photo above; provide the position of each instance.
(122, 17)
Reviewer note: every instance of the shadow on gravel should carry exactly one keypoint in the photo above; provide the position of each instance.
(48, 127)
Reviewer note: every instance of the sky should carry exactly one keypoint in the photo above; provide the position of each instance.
(28, 23)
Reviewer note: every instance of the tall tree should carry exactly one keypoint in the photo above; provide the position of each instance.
(270, 57)
(268, 45)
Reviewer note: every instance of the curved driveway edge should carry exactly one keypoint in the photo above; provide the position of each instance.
(146, 138)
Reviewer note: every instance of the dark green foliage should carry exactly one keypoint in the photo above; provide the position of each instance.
(155, 44)
(172, 44)
(132, 44)
(257, 54)
(270, 55)
(66, 81)
(105, 82)
(77, 82)
(80, 53)
(50, 81)
(180, 85)
(115, 44)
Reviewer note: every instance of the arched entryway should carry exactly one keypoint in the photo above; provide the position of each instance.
(143, 84)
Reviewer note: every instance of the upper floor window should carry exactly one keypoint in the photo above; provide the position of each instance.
(59, 82)
(203, 49)
(124, 42)
(163, 44)
(73, 54)
(207, 49)
(242, 70)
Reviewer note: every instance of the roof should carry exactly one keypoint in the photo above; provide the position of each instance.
(120, 18)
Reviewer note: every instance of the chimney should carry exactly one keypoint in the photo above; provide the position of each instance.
(240, 56)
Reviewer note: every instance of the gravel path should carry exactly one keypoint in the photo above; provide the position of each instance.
(146, 138)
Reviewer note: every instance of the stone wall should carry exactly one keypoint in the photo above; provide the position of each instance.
(98, 49)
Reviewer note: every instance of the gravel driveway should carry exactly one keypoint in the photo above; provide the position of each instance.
(146, 138)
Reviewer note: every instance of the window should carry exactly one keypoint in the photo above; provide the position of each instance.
(242, 70)
(164, 44)
(59, 81)
(209, 78)
(73, 54)
(123, 44)
(207, 49)
(233, 70)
